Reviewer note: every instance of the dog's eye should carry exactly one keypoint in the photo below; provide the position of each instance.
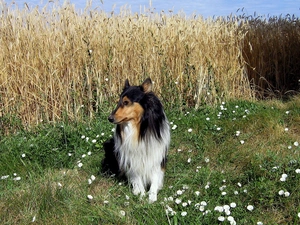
(125, 103)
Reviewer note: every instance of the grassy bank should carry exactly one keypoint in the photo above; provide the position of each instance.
(238, 161)
(54, 62)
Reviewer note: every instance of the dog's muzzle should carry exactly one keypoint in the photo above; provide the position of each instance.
(111, 118)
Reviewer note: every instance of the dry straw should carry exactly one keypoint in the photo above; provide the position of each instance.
(61, 62)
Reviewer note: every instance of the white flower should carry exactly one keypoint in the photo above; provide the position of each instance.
(93, 177)
(250, 207)
(281, 192)
(105, 202)
(184, 204)
(203, 203)
(296, 143)
(185, 187)
(206, 160)
(170, 199)
(17, 178)
(230, 219)
(286, 129)
(84, 155)
(207, 118)
(90, 197)
(89, 153)
(177, 201)
(218, 128)
(197, 193)
(299, 214)
(190, 130)
(287, 112)
(189, 160)
(4, 177)
(122, 213)
(219, 209)
(232, 204)
(183, 213)
(33, 219)
(79, 164)
(226, 207)
(179, 192)
(275, 167)
(221, 218)
(242, 142)
(94, 141)
(224, 193)
(174, 127)
(259, 223)
(23, 155)
(283, 177)
(286, 194)
(222, 188)
(89, 181)
(297, 170)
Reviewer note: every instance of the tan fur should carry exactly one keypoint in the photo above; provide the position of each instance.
(129, 111)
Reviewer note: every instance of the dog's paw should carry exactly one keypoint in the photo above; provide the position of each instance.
(137, 189)
(152, 197)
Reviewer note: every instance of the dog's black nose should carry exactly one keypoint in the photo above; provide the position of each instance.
(111, 118)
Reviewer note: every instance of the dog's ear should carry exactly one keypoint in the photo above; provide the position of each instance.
(127, 85)
(147, 85)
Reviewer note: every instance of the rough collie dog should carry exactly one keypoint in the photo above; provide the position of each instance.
(141, 139)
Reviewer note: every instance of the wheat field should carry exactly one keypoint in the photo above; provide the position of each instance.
(64, 62)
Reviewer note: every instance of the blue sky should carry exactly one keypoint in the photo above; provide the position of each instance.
(203, 7)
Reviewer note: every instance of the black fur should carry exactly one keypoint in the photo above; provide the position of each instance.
(110, 164)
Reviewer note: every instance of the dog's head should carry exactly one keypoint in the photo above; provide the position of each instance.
(129, 107)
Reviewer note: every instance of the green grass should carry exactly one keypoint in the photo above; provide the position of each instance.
(208, 167)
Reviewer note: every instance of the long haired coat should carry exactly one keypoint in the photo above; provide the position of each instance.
(141, 139)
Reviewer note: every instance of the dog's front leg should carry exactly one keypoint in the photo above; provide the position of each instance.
(137, 186)
(156, 184)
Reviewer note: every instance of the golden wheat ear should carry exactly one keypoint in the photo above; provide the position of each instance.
(147, 85)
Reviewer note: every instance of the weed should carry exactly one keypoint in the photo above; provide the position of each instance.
(51, 173)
